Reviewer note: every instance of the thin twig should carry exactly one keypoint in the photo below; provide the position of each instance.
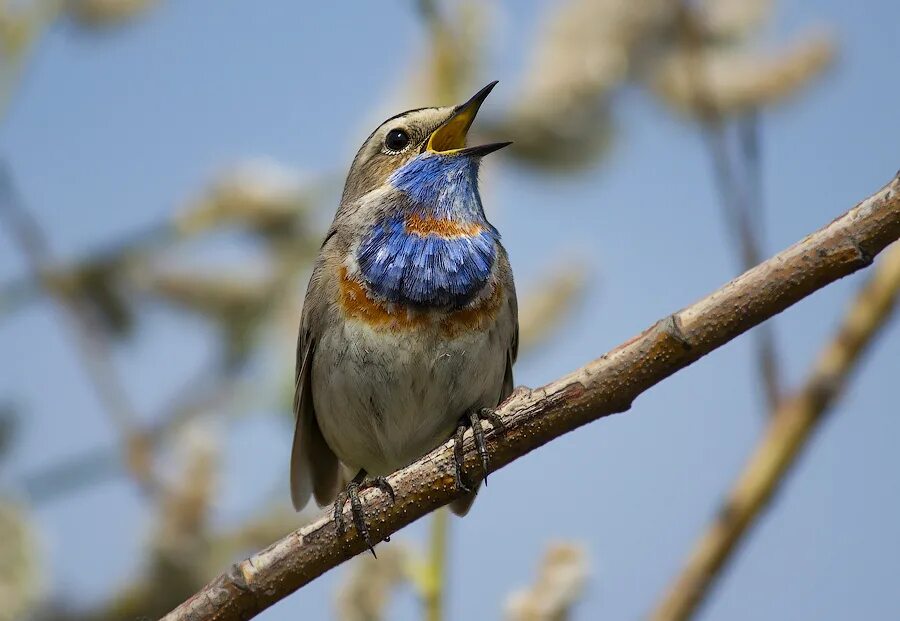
(752, 236)
(534, 417)
(742, 210)
(90, 341)
(788, 432)
(738, 182)
(436, 569)
(133, 248)
(18, 293)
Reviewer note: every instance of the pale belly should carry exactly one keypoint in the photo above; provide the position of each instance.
(385, 398)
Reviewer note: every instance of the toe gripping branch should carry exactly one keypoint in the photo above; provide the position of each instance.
(360, 483)
(473, 419)
(357, 485)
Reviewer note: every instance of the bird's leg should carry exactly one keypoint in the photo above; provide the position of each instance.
(476, 416)
(473, 419)
(462, 481)
(358, 484)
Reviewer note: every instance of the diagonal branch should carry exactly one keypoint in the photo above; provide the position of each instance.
(792, 425)
(602, 387)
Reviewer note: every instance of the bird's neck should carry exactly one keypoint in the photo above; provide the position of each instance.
(433, 247)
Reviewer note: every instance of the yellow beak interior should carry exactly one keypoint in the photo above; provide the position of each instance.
(451, 136)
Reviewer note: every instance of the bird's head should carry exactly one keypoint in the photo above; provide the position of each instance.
(418, 232)
(413, 147)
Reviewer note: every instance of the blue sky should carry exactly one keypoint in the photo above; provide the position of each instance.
(110, 133)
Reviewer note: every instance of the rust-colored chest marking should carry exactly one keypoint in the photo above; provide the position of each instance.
(356, 303)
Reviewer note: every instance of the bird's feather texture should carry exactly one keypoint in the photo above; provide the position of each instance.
(410, 317)
(433, 246)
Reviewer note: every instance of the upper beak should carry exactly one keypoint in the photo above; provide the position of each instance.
(450, 136)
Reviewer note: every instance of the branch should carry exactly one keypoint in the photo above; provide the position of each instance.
(738, 179)
(90, 342)
(534, 417)
(791, 427)
(742, 208)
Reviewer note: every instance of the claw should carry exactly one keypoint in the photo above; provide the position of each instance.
(359, 518)
(459, 459)
(358, 484)
(478, 436)
(384, 485)
(473, 419)
(493, 418)
(338, 516)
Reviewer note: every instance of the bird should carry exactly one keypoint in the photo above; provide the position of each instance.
(409, 328)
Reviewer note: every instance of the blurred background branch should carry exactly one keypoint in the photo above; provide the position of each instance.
(788, 432)
(561, 579)
(91, 343)
(737, 171)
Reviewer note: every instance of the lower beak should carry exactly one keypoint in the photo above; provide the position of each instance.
(450, 136)
(482, 149)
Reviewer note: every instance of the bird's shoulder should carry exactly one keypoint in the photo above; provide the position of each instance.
(322, 290)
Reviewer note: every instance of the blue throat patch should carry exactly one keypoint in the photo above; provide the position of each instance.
(434, 248)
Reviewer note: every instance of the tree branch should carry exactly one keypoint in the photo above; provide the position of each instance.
(534, 417)
(791, 427)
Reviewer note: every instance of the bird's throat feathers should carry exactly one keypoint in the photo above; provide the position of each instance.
(433, 246)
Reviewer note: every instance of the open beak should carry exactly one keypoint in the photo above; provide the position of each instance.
(450, 137)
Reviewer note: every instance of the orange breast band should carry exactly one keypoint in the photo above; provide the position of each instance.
(421, 226)
(356, 303)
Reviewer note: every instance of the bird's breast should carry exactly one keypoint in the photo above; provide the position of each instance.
(357, 302)
(428, 261)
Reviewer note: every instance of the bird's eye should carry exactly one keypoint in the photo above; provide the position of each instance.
(396, 140)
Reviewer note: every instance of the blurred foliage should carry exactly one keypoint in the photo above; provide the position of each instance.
(20, 572)
(695, 56)
(106, 13)
(369, 583)
(701, 60)
(457, 46)
(563, 115)
(735, 81)
(556, 293)
(560, 582)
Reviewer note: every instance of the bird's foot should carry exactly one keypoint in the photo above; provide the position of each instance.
(357, 485)
(473, 419)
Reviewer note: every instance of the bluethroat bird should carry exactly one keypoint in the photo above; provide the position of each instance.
(410, 326)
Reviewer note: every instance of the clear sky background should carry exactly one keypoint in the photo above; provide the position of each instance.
(111, 133)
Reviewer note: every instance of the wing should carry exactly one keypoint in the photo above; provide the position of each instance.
(512, 351)
(508, 382)
(315, 469)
